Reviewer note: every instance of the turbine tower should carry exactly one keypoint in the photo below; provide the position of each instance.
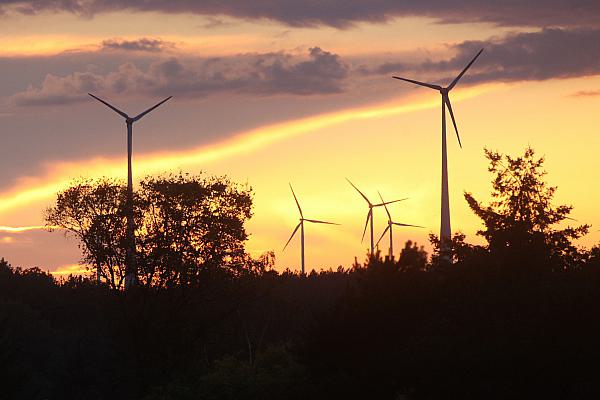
(301, 226)
(370, 214)
(390, 227)
(130, 262)
(445, 230)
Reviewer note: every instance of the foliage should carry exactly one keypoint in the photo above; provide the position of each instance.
(184, 223)
(520, 223)
(94, 213)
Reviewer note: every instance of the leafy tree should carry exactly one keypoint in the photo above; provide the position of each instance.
(189, 224)
(184, 224)
(93, 212)
(521, 222)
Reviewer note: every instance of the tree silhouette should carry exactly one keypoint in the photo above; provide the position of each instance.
(93, 211)
(521, 222)
(184, 224)
(191, 223)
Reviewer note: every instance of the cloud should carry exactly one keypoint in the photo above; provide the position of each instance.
(552, 53)
(321, 72)
(18, 229)
(142, 44)
(342, 13)
(586, 93)
(546, 54)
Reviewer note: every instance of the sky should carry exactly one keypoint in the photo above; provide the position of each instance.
(272, 93)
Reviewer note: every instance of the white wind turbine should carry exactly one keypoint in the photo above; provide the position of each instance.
(370, 214)
(445, 230)
(130, 262)
(301, 226)
(390, 227)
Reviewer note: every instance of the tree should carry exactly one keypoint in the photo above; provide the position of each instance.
(521, 222)
(191, 224)
(93, 211)
(184, 224)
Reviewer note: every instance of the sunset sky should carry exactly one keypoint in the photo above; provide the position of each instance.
(299, 92)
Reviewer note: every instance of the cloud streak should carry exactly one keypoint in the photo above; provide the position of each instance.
(341, 13)
(586, 93)
(142, 44)
(58, 175)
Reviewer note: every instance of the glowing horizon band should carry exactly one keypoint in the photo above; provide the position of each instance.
(60, 174)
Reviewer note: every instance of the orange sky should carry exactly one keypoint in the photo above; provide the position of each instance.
(391, 145)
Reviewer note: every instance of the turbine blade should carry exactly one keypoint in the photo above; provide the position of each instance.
(382, 235)
(361, 193)
(447, 101)
(316, 221)
(455, 81)
(429, 85)
(291, 237)
(389, 202)
(297, 203)
(401, 224)
(139, 116)
(115, 109)
(366, 224)
(385, 205)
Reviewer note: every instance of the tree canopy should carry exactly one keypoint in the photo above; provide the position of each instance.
(521, 225)
(184, 224)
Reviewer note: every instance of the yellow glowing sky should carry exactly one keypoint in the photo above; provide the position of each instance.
(392, 146)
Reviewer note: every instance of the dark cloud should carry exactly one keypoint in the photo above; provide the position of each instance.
(342, 13)
(143, 44)
(546, 54)
(321, 72)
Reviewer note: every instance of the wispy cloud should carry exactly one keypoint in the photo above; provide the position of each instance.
(70, 269)
(19, 229)
(586, 93)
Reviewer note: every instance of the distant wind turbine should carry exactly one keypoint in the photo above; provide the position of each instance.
(130, 262)
(445, 230)
(370, 214)
(390, 227)
(301, 226)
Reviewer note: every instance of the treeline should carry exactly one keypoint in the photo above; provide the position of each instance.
(514, 318)
(388, 329)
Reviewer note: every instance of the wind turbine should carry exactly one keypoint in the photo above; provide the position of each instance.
(370, 213)
(130, 264)
(445, 230)
(301, 226)
(390, 227)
